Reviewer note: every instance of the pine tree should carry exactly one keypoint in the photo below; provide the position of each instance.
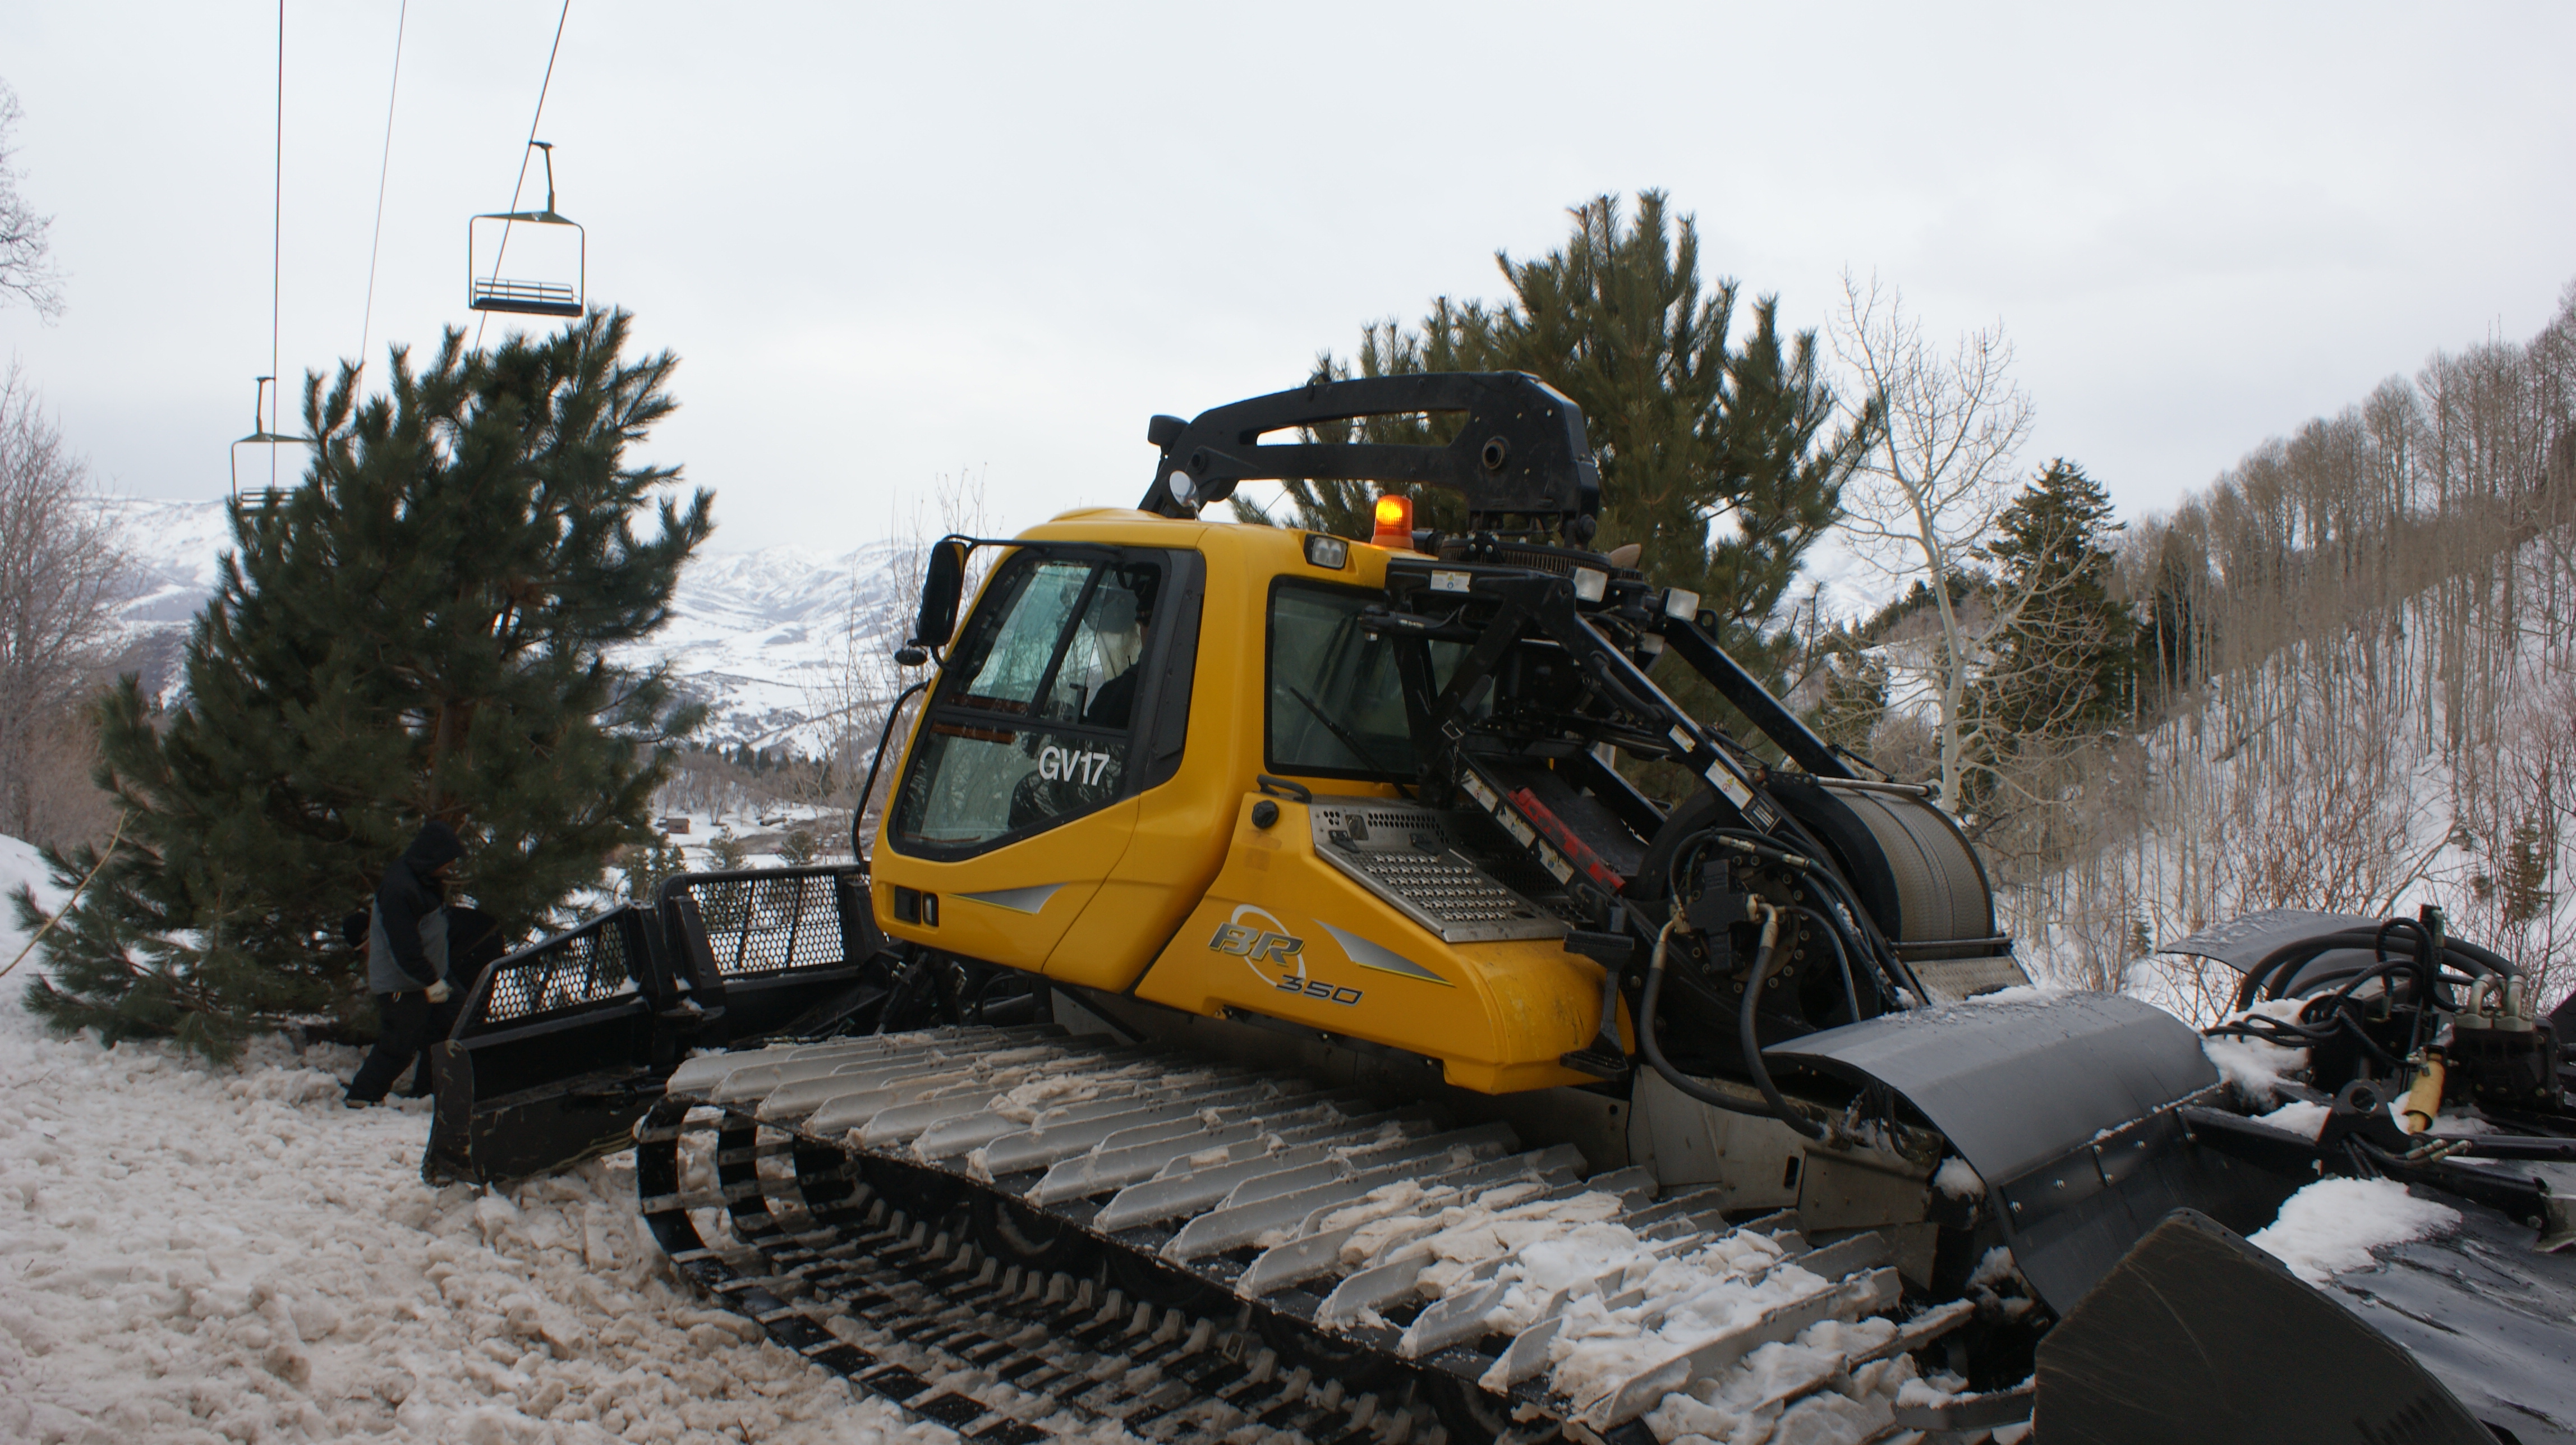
(2068, 660)
(416, 631)
(1716, 461)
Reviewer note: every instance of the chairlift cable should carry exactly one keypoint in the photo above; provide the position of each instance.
(262, 409)
(384, 167)
(277, 229)
(516, 186)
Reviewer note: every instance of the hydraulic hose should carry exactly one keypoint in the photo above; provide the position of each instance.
(1751, 1045)
(1889, 973)
(1842, 961)
(1778, 1107)
(2271, 976)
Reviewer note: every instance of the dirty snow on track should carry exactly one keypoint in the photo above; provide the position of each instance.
(206, 1254)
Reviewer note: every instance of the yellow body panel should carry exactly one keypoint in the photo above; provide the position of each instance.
(1147, 881)
(1283, 934)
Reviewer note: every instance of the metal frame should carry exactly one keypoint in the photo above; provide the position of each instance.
(1521, 451)
(528, 298)
(259, 433)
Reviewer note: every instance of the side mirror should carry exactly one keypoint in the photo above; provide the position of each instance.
(943, 582)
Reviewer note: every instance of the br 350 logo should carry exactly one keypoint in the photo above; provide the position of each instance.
(1278, 948)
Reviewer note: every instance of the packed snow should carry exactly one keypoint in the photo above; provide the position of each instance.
(2330, 1227)
(2298, 1117)
(2255, 1067)
(191, 1253)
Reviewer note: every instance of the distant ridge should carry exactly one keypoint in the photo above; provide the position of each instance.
(761, 637)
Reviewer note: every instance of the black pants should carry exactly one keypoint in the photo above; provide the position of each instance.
(408, 1025)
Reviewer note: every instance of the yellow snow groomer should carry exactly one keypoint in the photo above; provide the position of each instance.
(1269, 1004)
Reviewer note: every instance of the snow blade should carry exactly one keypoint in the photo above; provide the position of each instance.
(539, 1131)
(533, 1076)
(2198, 1335)
(2072, 1109)
(564, 1044)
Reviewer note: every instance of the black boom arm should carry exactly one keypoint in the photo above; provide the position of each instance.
(1521, 451)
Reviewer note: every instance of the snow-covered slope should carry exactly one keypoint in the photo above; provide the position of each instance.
(766, 637)
(198, 1253)
(762, 637)
(2411, 757)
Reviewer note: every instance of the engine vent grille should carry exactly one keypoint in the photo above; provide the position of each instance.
(1407, 856)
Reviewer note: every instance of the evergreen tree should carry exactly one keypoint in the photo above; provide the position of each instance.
(416, 631)
(1851, 693)
(1716, 461)
(2068, 659)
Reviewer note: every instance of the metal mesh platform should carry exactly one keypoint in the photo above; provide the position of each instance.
(1405, 854)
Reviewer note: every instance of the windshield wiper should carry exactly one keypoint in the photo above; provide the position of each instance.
(1350, 740)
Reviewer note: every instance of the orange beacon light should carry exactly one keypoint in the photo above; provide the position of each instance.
(1394, 523)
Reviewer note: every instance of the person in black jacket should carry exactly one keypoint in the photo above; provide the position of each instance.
(407, 961)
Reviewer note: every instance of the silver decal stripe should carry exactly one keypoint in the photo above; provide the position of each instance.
(1018, 900)
(1384, 960)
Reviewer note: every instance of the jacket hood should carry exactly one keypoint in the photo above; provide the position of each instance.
(434, 844)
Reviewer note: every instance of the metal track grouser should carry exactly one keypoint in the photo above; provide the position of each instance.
(1059, 1231)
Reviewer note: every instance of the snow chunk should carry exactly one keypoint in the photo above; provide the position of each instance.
(1800, 1393)
(1022, 1104)
(1958, 1180)
(2022, 993)
(2298, 1117)
(2331, 1226)
(2254, 1067)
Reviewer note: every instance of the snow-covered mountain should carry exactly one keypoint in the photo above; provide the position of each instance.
(765, 638)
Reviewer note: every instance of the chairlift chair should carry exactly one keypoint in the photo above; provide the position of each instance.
(488, 290)
(259, 433)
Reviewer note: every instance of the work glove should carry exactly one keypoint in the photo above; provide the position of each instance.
(438, 991)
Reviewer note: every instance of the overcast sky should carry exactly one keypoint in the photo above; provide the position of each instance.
(895, 243)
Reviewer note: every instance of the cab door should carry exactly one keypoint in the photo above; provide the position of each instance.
(1018, 795)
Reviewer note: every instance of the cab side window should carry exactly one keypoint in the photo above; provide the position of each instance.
(1032, 723)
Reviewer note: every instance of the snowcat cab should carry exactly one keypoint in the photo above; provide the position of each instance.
(1263, 971)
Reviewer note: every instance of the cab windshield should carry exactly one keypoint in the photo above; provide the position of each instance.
(1031, 723)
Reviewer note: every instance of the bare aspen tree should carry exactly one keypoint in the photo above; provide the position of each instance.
(27, 270)
(1933, 491)
(860, 685)
(59, 571)
(2358, 639)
